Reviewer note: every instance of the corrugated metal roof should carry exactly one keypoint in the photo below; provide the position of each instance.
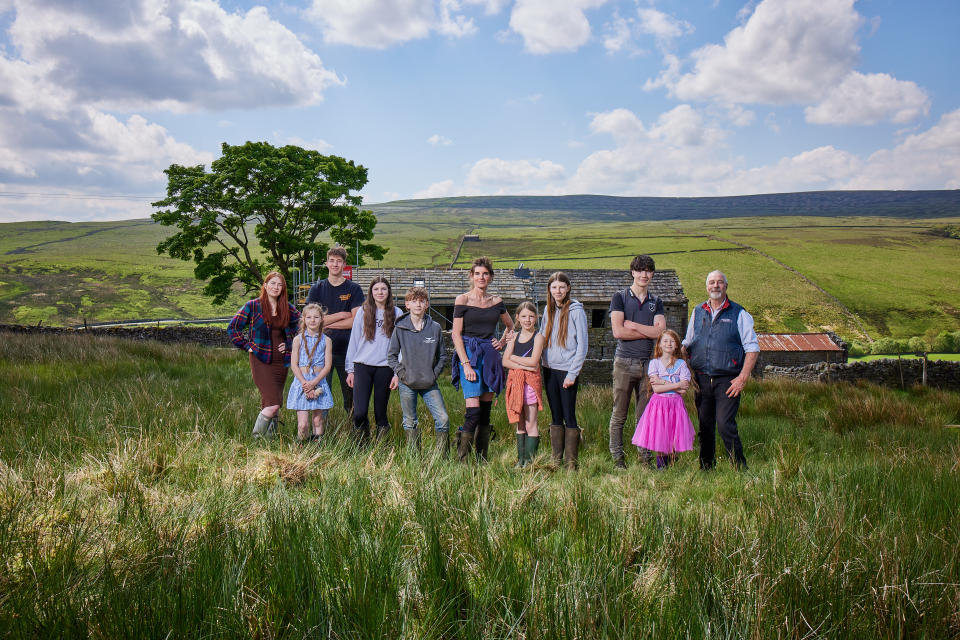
(796, 342)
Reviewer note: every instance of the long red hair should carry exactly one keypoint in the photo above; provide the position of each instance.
(283, 307)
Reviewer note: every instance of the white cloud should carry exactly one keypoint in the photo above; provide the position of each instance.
(675, 156)
(81, 71)
(791, 52)
(788, 51)
(11, 163)
(498, 174)
(179, 55)
(319, 144)
(739, 116)
(437, 140)
(868, 99)
(682, 154)
(551, 26)
(491, 7)
(820, 168)
(442, 189)
(88, 147)
(665, 28)
(926, 160)
(619, 35)
(378, 24)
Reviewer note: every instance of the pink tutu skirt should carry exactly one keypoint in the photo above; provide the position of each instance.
(665, 426)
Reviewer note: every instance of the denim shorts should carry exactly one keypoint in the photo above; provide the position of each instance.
(478, 387)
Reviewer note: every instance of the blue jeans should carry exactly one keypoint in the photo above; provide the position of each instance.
(434, 401)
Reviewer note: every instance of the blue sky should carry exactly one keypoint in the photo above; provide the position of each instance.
(469, 97)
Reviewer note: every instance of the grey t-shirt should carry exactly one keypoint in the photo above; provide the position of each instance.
(640, 311)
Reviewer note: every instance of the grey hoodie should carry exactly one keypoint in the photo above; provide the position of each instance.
(416, 356)
(567, 357)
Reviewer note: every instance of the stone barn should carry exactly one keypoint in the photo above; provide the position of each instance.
(798, 349)
(592, 287)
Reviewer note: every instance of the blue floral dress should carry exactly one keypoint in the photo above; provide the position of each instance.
(310, 366)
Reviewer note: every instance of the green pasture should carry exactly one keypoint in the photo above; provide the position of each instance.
(954, 357)
(134, 504)
(883, 276)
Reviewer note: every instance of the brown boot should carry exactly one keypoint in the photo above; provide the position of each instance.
(482, 441)
(442, 444)
(464, 445)
(556, 443)
(571, 448)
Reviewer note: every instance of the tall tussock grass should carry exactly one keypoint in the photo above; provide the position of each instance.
(134, 504)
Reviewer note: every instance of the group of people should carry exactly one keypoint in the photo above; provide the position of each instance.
(374, 347)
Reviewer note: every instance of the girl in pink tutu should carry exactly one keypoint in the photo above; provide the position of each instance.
(665, 426)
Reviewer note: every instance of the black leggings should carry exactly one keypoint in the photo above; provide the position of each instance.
(563, 402)
(367, 379)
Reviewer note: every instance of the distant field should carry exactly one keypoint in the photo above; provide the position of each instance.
(955, 357)
(883, 276)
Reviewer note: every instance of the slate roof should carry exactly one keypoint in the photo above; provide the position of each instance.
(796, 342)
(590, 286)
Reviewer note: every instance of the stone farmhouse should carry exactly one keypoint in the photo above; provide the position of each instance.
(592, 287)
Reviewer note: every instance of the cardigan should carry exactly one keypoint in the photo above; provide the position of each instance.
(251, 315)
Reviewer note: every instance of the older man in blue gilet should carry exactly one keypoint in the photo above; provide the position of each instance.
(721, 349)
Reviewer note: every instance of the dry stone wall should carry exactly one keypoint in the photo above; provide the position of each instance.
(888, 372)
(210, 336)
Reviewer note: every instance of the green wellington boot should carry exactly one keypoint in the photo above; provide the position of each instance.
(521, 450)
(532, 444)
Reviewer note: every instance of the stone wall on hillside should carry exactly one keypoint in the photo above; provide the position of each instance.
(888, 372)
(209, 336)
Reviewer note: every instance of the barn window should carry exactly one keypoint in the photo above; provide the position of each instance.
(599, 319)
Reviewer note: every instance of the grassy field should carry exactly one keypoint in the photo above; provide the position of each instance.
(133, 504)
(876, 276)
(954, 357)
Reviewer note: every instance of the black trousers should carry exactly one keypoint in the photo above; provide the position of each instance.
(340, 366)
(714, 410)
(563, 402)
(367, 380)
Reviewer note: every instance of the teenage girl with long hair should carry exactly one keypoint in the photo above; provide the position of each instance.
(264, 327)
(367, 369)
(564, 326)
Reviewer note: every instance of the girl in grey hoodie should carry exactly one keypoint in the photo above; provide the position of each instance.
(564, 326)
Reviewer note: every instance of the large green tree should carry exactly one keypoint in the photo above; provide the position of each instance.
(262, 208)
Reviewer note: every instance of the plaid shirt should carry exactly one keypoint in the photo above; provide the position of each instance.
(251, 315)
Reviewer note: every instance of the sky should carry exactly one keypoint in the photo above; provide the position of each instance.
(478, 97)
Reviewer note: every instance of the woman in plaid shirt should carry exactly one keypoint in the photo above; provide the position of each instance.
(265, 327)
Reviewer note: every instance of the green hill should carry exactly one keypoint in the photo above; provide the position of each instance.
(898, 204)
(875, 262)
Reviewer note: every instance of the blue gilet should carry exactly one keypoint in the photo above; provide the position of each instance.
(716, 349)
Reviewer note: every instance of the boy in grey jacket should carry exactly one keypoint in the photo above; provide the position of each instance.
(416, 355)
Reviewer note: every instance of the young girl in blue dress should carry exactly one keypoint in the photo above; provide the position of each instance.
(310, 364)
(665, 426)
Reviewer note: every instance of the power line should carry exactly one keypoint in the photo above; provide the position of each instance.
(73, 196)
